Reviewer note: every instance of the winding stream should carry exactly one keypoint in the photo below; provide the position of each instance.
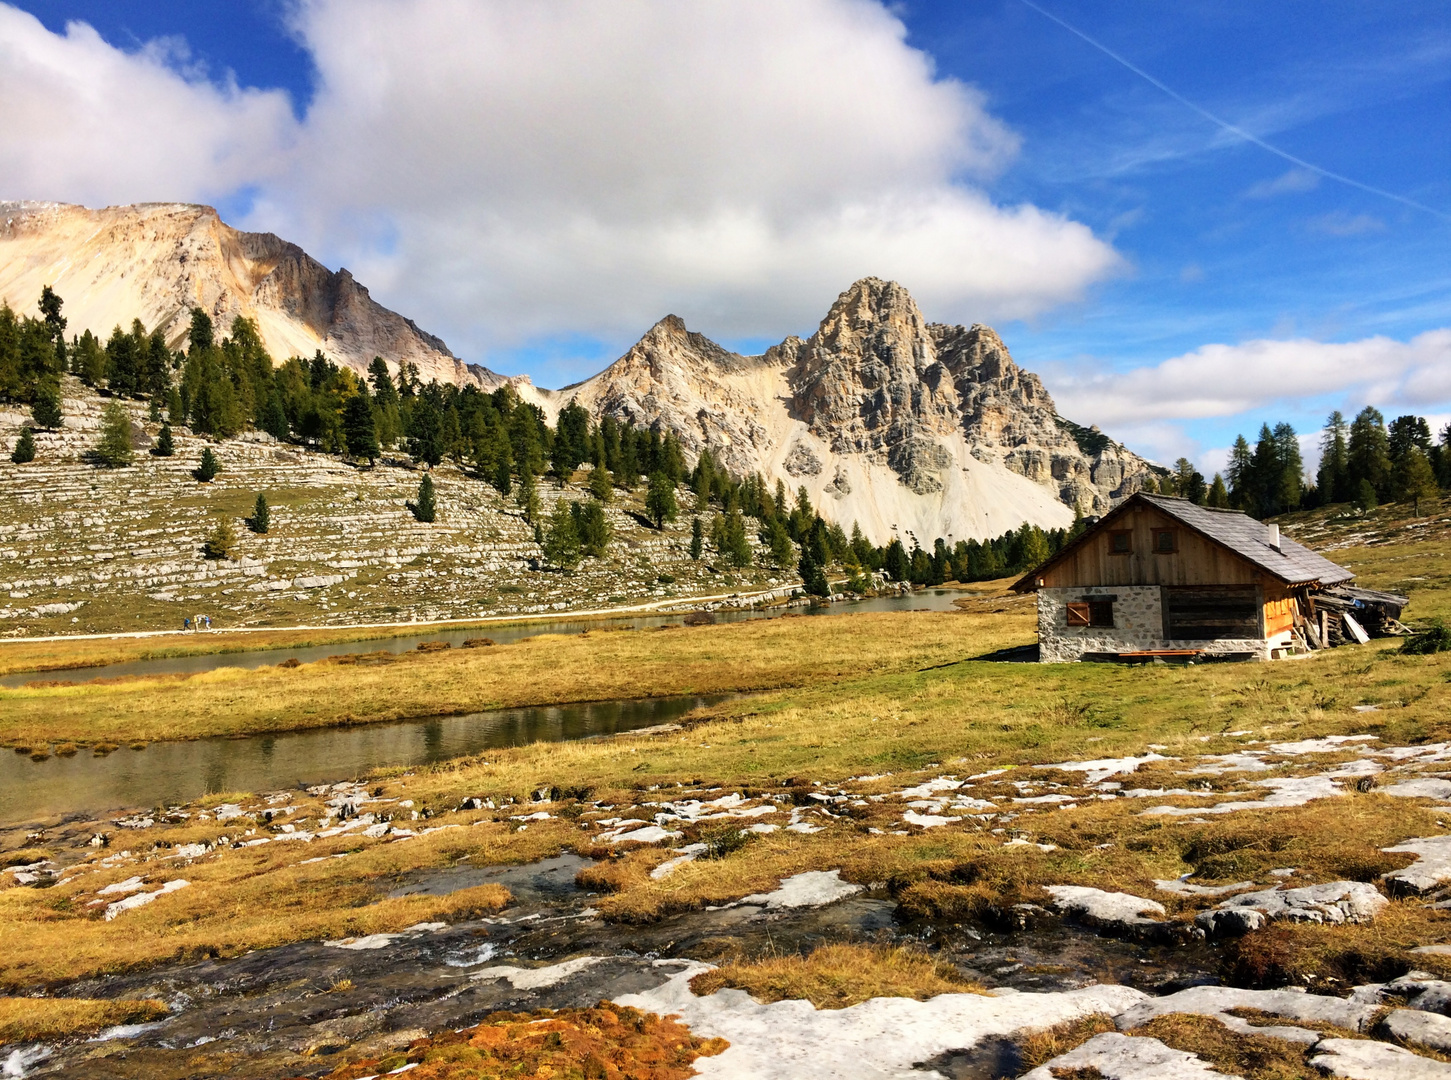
(172, 772)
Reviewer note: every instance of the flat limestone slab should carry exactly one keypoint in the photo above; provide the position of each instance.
(1128, 1057)
(1427, 1028)
(1360, 1059)
(1216, 1001)
(1431, 869)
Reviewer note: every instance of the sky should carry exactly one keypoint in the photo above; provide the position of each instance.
(1188, 219)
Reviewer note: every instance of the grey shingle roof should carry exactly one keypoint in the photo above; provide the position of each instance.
(1294, 563)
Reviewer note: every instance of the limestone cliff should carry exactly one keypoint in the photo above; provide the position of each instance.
(156, 261)
(909, 428)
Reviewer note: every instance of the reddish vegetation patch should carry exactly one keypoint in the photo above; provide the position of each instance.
(607, 1042)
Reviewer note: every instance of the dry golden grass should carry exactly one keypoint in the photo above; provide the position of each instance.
(30, 1018)
(549, 669)
(838, 976)
(1038, 1047)
(607, 1042)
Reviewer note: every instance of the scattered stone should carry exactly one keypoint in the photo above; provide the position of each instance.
(1184, 888)
(1432, 868)
(1413, 1025)
(1423, 788)
(1126, 1057)
(1361, 1059)
(1112, 912)
(1101, 769)
(1216, 1001)
(141, 899)
(1336, 902)
(814, 888)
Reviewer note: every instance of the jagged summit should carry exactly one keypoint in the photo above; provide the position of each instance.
(885, 418)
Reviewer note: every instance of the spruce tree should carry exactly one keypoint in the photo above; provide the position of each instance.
(24, 451)
(1365, 500)
(697, 538)
(425, 509)
(360, 427)
(259, 521)
(561, 538)
(528, 497)
(601, 484)
(207, 469)
(779, 541)
(1218, 497)
(164, 445)
(1413, 478)
(660, 503)
(45, 409)
(114, 449)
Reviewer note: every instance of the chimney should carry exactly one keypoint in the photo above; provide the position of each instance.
(1275, 537)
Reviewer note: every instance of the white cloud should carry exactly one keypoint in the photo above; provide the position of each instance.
(1339, 223)
(1225, 380)
(86, 122)
(500, 171)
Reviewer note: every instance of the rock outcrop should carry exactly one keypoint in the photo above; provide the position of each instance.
(156, 261)
(909, 428)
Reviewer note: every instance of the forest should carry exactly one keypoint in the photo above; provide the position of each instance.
(221, 387)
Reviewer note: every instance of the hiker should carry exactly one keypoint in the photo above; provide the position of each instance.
(209, 621)
(186, 623)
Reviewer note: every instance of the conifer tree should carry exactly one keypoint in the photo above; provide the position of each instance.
(1331, 478)
(697, 538)
(260, 521)
(425, 509)
(592, 526)
(528, 497)
(24, 451)
(218, 543)
(601, 485)
(660, 502)
(207, 469)
(1218, 496)
(45, 410)
(1413, 478)
(165, 447)
(1365, 500)
(561, 538)
(779, 541)
(360, 427)
(114, 449)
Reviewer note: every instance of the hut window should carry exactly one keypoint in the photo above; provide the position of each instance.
(1120, 542)
(1091, 613)
(1165, 543)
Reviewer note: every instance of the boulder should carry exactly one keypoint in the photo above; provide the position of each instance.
(1335, 902)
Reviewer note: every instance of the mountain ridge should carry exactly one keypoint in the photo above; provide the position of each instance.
(910, 428)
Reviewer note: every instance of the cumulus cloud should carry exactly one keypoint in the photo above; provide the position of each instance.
(503, 171)
(1225, 380)
(86, 122)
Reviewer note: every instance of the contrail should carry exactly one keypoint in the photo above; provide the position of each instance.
(1235, 129)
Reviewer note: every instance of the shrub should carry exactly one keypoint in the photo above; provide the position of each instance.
(1435, 638)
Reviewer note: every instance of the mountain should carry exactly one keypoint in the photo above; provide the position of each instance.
(904, 426)
(156, 261)
(910, 428)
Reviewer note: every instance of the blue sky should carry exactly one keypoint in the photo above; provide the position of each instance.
(1168, 278)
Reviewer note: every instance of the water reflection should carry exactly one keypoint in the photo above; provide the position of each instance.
(174, 772)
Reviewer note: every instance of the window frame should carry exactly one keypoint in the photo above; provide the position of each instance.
(1113, 539)
(1096, 611)
(1173, 535)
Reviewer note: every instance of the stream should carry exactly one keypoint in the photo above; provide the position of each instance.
(502, 634)
(174, 772)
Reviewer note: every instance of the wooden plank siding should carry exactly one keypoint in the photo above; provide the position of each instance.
(1279, 609)
(1196, 561)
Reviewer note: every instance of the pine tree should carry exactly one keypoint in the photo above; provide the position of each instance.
(218, 543)
(24, 451)
(425, 509)
(528, 497)
(1237, 472)
(1035, 549)
(1218, 494)
(360, 427)
(737, 546)
(779, 542)
(601, 485)
(896, 563)
(207, 469)
(561, 538)
(660, 502)
(114, 449)
(592, 526)
(813, 578)
(1413, 479)
(1368, 452)
(1365, 500)
(165, 447)
(697, 538)
(259, 521)
(1331, 478)
(45, 409)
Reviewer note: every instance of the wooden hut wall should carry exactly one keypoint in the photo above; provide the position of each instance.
(1195, 560)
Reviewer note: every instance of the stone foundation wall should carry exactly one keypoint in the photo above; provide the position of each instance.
(1138, 615)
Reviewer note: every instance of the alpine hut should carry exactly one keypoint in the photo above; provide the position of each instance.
(1162, 578)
